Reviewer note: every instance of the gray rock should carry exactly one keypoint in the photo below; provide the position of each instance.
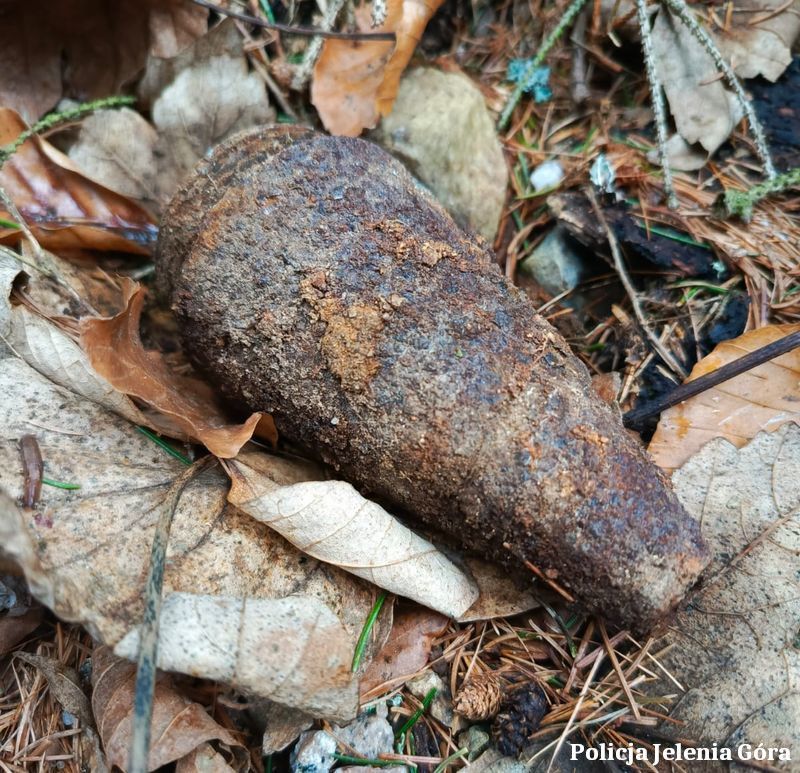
(492, 761)
(313, 753)
(554, 264)
(442, 706)
(547, 175)
(369, 734)
(441, 129)
(475, 738)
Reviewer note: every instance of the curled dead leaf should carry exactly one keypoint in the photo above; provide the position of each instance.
(763, 398)
(331, 521)
(116, 352)
(178, 725)
(63, 207)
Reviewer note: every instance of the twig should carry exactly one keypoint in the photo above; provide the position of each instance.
(313, 49)
(580, 91)
(657, 99)
(631, 290)
(148, 636)
(741, 203)
(683, 12)
(308, 32)
(732, 369)
(569, 15)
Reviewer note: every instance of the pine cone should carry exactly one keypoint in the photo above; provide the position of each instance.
(479, 698)
(520, 713)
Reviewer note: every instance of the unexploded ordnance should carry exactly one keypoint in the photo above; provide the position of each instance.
(315, 280)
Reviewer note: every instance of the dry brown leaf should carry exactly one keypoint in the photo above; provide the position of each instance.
(331, 521)
(407, 649)
(84, 49)
(178, 725)
(734, 645)
(348, 75)
(416, 15)
(65, 209)
(14, 628)
(117, 354)
(763, 398)
(203, 759)
(356, 82)
(84, 552)
(281, 724)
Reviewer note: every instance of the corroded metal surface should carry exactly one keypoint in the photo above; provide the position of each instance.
(315, 280)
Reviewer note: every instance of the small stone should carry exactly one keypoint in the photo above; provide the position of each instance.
(475, 738)
(554, 264)
(441, 708)
(313, 753)
(547, 175)
(441, 129)
(369, 734)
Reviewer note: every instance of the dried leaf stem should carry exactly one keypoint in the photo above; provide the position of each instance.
(749, 361)
(290, 30)
(657, 99)
(148, 637)
(567, 19)
(682, 11)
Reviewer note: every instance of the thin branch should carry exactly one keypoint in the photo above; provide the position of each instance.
(308, 32)
(749, 361)
(314, 47)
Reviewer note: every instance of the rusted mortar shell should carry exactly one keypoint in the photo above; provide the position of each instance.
(314, 279)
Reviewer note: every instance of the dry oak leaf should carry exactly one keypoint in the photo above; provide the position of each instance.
(63, 207)
(734, 643)
(84, 49)
(331, 521)
(763, 398)
(117, 354)
(356, 82)
(178, 725)
(406, 650)
(84, 553)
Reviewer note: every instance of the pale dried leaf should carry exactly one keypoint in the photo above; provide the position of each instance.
(175, 25)
(203, 759)
(759, 42)
(500, 595)
(117, 354)
(703, 109)
(734, 645)
(64, 208)
(117, 149)
(210, 96)
(763, 398)
(178, 725)
(226, 639)
(331, 521)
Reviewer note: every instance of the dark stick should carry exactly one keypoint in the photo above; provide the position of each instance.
(692, 388)
(310, 32)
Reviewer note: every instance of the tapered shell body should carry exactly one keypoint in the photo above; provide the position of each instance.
(315, 280)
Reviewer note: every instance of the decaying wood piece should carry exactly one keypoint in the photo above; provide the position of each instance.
(315, 280)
